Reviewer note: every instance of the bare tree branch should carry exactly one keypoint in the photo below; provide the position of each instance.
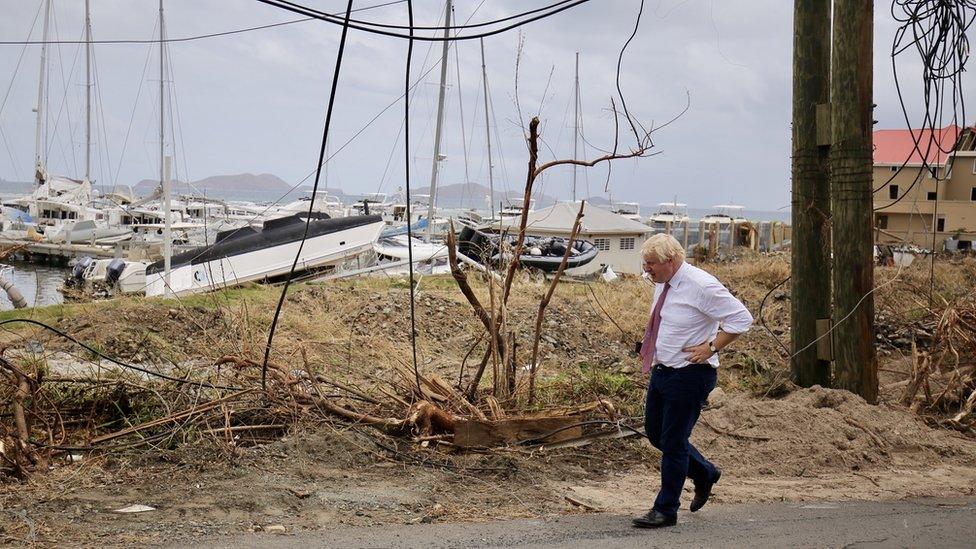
(545, 300)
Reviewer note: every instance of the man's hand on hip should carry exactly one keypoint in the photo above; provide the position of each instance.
(698, 353)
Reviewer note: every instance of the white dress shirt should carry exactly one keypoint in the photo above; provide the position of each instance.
(696, 306)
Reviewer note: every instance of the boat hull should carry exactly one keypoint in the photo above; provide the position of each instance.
(264, 255)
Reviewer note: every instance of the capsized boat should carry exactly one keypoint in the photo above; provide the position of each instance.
(245, 254)
(541, 252)
(402, 247)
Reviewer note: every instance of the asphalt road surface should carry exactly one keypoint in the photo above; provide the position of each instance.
(928, 523)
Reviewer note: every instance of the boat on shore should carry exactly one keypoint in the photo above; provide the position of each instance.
(245, 254)
(540, 252)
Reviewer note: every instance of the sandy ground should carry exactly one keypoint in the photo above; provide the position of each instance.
(814, 445)
(810, 445)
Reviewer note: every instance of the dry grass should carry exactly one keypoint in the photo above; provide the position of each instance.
(357, 333)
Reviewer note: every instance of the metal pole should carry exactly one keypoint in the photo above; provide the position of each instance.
(851, 95)
(162, 97)
(576, 125)
(87, 91)
(39, 128)
(164, 161)
(440, 124)
(491, 179)
(167, 224)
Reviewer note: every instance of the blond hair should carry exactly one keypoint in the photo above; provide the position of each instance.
(662, 247)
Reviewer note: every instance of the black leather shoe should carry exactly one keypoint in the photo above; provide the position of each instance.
(653, 519)
(704, 491)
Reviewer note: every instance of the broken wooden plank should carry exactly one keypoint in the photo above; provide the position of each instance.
(486, 434)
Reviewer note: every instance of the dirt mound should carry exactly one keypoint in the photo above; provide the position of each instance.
(821, 430)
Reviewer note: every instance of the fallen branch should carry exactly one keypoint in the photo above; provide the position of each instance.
(205, 407)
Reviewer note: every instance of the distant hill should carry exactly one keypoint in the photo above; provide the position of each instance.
(474, 194)
(239, 182)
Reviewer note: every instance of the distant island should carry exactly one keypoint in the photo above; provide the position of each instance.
(221, 183)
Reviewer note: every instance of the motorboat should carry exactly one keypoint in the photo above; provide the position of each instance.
(403, 247)
(541, 252)
(246, 254)
(725, 214)
(107, 277)
(675, 213)
(630, 210)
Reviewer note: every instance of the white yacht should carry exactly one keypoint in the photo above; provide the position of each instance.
(324, 204)
(724, 214)
(244, 255)
(675, 213)
(630, 210)
(513, 208)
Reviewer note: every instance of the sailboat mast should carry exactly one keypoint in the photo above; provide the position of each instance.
(39, 129)
(164, 179)
(440, 124)
(484, 82)
(88, 85)
(575, 124)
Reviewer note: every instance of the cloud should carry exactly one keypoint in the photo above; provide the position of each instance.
(255, 102)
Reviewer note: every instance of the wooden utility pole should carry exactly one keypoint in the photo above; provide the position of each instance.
(810, 271)
(856, 367)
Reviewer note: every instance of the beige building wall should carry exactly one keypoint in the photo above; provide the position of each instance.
(910, 219)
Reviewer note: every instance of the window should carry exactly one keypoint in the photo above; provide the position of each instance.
(882, 222)
(602, 244)
(972, 194)
(931, 195)
(895, 168)
(940, 225)
(627, 243)
(893, 191)
(933, 173)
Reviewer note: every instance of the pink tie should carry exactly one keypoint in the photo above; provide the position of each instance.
(649, 344)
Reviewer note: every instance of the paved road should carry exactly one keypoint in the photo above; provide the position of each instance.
(848, 524)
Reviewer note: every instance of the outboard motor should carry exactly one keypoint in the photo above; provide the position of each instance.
(78, 272)
(114, 270)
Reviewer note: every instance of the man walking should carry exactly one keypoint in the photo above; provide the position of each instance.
(693, 317)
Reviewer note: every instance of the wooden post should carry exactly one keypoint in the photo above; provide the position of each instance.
(701, 234)
(685, 243)
(851, 198)
(810, 247)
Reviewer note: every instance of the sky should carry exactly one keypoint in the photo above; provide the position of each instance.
(255, 102)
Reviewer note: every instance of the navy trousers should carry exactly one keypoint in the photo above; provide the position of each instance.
(674, 401)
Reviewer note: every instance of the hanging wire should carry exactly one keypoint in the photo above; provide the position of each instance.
(311, 202)
(406, 166)
(30, 42)
(377, 28)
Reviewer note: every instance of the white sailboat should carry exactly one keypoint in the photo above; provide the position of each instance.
(56, 199)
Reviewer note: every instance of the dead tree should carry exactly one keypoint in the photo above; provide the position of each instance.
(503, 342)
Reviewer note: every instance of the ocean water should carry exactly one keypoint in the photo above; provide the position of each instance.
(40, 284)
